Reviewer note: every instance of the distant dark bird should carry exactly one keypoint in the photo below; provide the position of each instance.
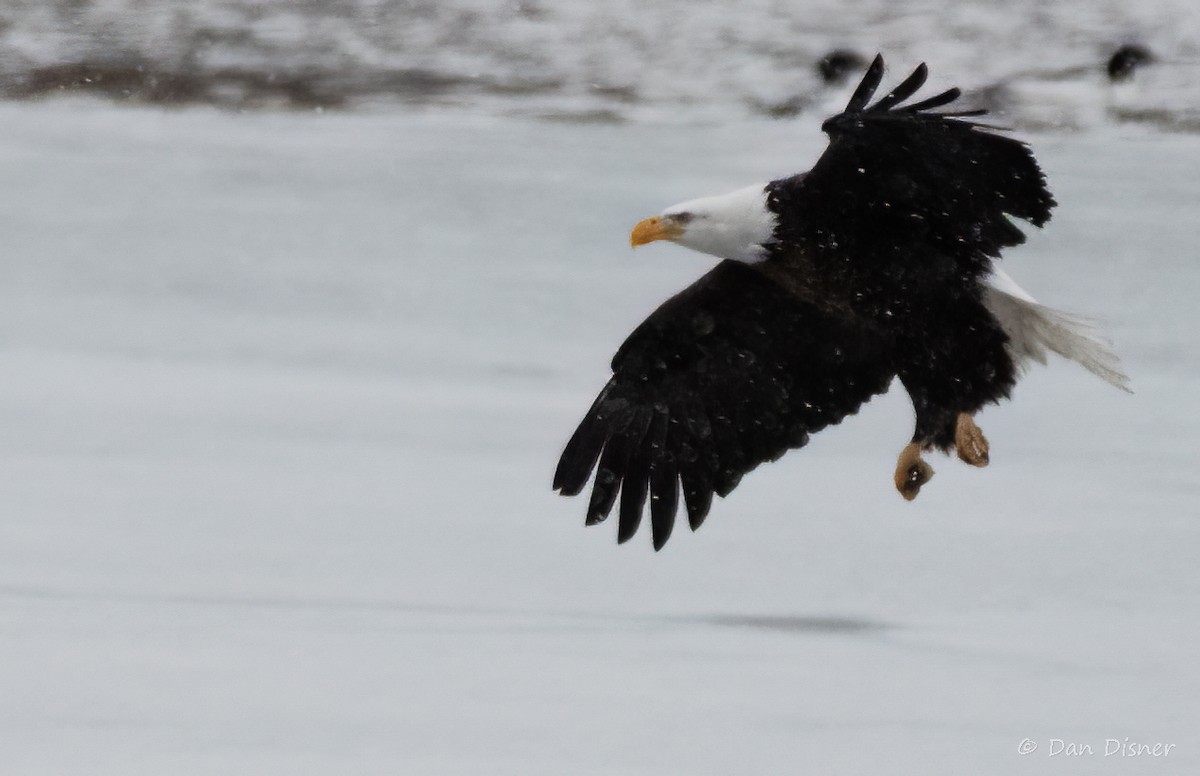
(837, 65)
(874, 264)
(1126, 59)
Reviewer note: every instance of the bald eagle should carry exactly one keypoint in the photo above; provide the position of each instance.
(875, 264)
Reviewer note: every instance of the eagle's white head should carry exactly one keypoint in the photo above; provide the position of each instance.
(737, 225)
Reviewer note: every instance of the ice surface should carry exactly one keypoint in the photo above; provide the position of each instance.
(281, 395)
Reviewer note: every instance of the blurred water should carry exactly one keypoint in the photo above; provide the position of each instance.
(1038, 62)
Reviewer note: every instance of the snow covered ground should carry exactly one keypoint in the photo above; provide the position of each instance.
(281, 395)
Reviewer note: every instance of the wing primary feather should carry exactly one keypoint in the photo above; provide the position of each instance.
(696, 471)
(633, 496)
(583, 450)
(697, 495)
(906, 89)
(637, 477)
(606, 486)
(866, 88)
(664, 480)
(664, 500)
(966, 114)
(731, 457)
(614, 462)
(936, 101)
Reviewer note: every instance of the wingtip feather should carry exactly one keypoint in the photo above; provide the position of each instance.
(903, 90)
(867, 86)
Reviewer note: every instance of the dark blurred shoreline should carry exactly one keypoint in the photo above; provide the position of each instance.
(1040, 65)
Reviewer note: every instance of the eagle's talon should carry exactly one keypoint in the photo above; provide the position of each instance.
(911, 472)
(969, 441)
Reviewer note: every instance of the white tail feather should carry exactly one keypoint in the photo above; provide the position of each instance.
(1033, 329)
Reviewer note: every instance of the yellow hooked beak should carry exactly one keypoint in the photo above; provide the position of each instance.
(655, 228)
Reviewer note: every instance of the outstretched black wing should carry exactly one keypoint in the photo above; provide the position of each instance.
(923, 195)
(730, 373)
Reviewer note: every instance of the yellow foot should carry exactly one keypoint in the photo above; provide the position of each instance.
(970, 442)
(911, 471)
